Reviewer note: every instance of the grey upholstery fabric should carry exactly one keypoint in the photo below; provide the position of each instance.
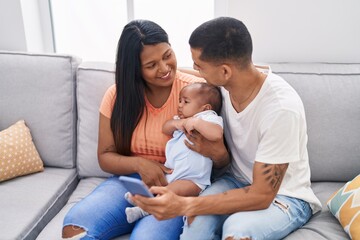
(92, 82)
(40, 88)
(322, 225)
(28, 203)
(330, 93)
(53, 229)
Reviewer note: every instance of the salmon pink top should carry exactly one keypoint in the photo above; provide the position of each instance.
(148, 141)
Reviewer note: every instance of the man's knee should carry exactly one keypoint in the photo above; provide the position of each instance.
(72, 232)
(232, 230)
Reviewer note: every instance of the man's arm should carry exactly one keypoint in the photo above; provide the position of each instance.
(267, 179)
(257, 196)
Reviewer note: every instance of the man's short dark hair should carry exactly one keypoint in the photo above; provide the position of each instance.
(223, 39)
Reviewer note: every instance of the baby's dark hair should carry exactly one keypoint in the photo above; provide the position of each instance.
(210, 94)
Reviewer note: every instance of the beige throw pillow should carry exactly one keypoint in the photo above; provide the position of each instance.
(18, 155)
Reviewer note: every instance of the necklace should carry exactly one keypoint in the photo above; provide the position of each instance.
(247, 98)
(238, 103)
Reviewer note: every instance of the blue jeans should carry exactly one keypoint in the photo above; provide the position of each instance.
(102, 215)
(283, 216)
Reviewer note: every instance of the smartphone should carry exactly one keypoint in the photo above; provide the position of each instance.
(135, 186)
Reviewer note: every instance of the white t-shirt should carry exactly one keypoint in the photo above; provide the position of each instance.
(271, 129)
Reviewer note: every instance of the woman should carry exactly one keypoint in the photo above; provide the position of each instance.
(131, 142)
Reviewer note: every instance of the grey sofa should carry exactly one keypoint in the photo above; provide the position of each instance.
(59, 97)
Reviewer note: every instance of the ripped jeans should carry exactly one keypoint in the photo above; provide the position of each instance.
(283, 216)
(102, 215)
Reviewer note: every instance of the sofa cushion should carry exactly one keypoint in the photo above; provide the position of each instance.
(323, 225)
(40, 88)
(30, 202)
(93, 79)
(345, 206)
(330, 93)
(19, 155)
(53, 229)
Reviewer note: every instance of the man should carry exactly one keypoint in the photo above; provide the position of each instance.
(266, 192)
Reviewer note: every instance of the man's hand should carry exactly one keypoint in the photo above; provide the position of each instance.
(152, 173)
(164, 206)
(189, 124)
(215, 150)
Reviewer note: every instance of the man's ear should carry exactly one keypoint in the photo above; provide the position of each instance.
(226, 71)
(207, 107)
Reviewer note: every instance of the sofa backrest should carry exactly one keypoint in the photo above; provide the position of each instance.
(330, 93)
(40, 88)
(93, 79)
(331, 97)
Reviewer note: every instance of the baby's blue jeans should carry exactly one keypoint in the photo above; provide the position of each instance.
(283, 216)
(102, 215)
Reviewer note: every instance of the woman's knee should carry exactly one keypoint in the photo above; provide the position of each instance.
(73, 232)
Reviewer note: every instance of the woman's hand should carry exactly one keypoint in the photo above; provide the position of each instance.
(215, 150)
(152, 173)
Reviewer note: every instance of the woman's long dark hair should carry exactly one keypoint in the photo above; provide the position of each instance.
(130, 105)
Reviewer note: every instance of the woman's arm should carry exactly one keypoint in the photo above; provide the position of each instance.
(151, 172)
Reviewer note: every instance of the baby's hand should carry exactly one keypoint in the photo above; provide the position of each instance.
(189, 125)
(180, 124)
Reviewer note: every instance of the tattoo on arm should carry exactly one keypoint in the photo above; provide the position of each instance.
(274, 174)
(246, 190)
(110, 148)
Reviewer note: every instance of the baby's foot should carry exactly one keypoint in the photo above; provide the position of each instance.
(127, 197)
(133, 214)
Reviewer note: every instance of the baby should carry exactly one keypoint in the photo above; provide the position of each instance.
(198, 109)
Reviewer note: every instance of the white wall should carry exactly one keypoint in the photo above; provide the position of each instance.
(25, 26)
(282, 30)
(12, 34)
(301, 31)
